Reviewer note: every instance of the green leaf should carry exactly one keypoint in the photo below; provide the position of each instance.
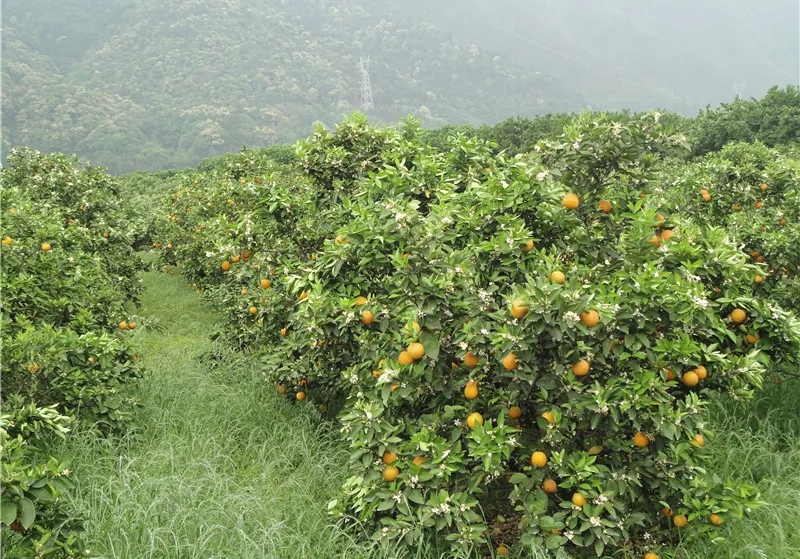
(517, 478)
(431, 344)
(28, 514)
(554, 542)
(8, 512)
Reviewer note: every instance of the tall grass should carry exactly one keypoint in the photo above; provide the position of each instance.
(217, 466)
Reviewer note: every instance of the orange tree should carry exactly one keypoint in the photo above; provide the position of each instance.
(529, 329)
(67, 272)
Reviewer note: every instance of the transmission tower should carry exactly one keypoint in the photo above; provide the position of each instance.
(366, 88)
(738, 88)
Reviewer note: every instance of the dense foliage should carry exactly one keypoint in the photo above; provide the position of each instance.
(68, 271)
(534, 334)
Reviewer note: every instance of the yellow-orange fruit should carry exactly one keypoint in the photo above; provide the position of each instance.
(751, 338)
(529, 245)
(300, 396)
(539, 459)
(716, 520)
(519, 309)
(558, 277)
(226, 266)
(405, 358)
(45, 247)
(265, 283)
(640, 440)
(570, 201)
(549, 486)
(390, 473)
(679, 520)
(590, 318)
(698, 440)
(471, 390)
(470, 359)
(701, 372)
(123, 325)
(515, 412)
(581, 368)
(738, 316)
(366, 317)
(473, 419)
(667, 234)
(578, 500)
(419, 460)
(389, 457)
(416, 350)
(361, 301)
(690, 378)
(303, 296)
(605, 206)
(253, 310)
(549, 417)
(510, 362)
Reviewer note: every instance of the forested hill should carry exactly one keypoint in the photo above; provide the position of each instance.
(148, 84)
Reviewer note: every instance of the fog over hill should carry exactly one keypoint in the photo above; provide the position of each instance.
(150, 84)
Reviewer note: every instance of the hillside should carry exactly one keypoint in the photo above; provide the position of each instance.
(140, 84)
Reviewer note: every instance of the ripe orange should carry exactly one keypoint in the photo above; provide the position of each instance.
(650, 555)
(578, 500)
(390, 473)
(570, 201)
(763, 186)
(698, 440)
(666, 511)
(549, 486)
(405, 358)
(667, 234)
(105, 235)
(300, 396)
(738, 316)
(361, 301)
(366, 317)
(716, 520)
(605, 206)
(519, 309)
(679, 520)
(539, 459)
(253, 311)
(340, 240)
(470, 360)
(281, 389)
(529, 245)
(510, 362)
(752, 338)
(234, 259)
(706, 197)
(701, 372)
(581, 368)
(226, 266)
(471, 390)
(243, 291)
(284, 331)
(761, 259)
(640, 440)
(123, 325)
(549, 417)
(515, 412)
(265, 283)
(737, 208)
(303, 296)
(473, 419)
(6, 240)
(389, 457)
(416, 327)
(45, 247)
(690, 378)
(670, 374)
(132, 325)
(759, 205)
(590, 318)
(558, 277)
(419, 460)
(655, 240)
(502, 549)
(416, 350)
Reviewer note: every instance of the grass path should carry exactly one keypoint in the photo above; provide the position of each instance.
(215, 466)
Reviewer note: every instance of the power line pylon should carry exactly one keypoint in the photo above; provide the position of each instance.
(366, 87)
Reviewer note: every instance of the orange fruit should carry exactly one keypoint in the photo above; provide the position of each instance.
(549, 417)
(416, 350)
(515, 412)
(471, 390)
(667, 234)
(510, 362)
(666, 511)
(123, 325)
(281, 389)
(549, 486)
(416, 327)
(6, 240)
(529, 245)
(759, 205)
(761, 259)
(473, 419)
(578, 500)
(539, 459)
(570, 201)
(303, 296)
(738, 316)
(640, 440)
(389, 457)
(105, 235)
(470, 360)
(716, 520)
(519, 309)
(698, 440)
(234, 259)
(253, 310)
(706, 197)
(581, 368)
(132, 325)
(701, 372)
(419, 460)
(45, 247)
(660, 219)
(655, 240)
(265, 283)
(737, 208)
(366, 317)
(679, 520)
(502, 549)
(405, 358)
(226, 266)
(243, 291)
(763, 186)
(590, 318)
(650, 555)
(340, 240)
(390, 473)
(558, 277)
(300, 396)
(752, 338)
(670, 374)
(605, 206)
(690, 378)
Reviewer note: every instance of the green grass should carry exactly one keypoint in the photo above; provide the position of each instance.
(217, 466)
